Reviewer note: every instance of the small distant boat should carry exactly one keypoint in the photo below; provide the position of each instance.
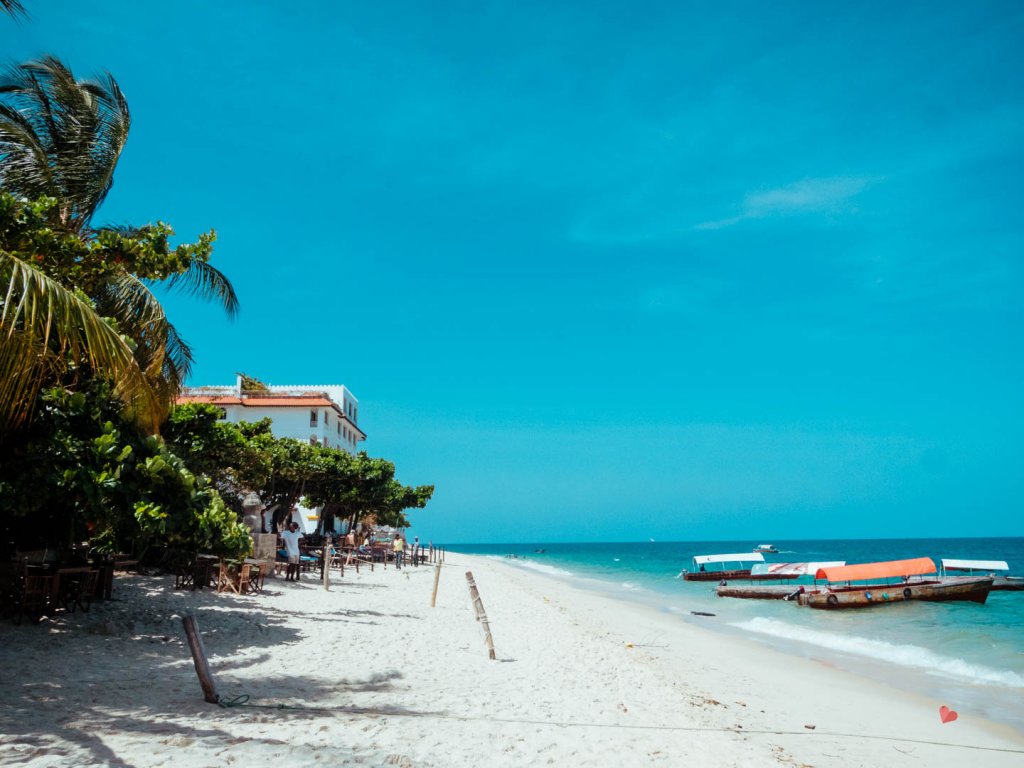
(878, 589)
(539, 551)
(725, 567)
(984, 567)
(766, 549)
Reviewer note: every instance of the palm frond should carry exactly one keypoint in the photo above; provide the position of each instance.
(160, 351)
(45, 327)
(24, 163)
(13, 7)
(207, 282)
(79, 126)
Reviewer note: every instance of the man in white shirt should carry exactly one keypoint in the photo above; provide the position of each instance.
(291, 545)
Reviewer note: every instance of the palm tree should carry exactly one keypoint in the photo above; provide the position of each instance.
(62, 138)
(43, 326)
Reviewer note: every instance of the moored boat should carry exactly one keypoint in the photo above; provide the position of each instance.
(877, 586)
(1008, 583)
(766, 549)
(751, 591)
(790, 574)
(719, 567)
(984, 568)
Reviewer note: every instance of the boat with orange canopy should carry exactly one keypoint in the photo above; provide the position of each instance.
(890, 582)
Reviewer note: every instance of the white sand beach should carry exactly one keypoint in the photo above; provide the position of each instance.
(369, 674)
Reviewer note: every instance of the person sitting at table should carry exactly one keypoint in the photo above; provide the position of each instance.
(291, 539)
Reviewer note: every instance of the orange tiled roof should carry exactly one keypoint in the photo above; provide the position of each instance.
(291, 401)
(257, 402)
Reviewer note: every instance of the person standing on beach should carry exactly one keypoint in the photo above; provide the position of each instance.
(398, 545)
(291, 544)
(350, 545)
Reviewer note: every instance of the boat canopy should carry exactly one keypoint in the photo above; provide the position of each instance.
(887, 570)
(791, 569)
(975, 565)
(741, 557)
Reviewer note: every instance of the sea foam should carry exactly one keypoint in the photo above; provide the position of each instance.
(903, 655)
(523, 562)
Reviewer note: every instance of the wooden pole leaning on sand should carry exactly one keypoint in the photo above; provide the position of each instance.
(481, 615)
(195, 644)
(437, 578)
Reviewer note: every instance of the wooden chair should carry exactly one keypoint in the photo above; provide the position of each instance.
(78, 589)
(257, 573)
(227, 577)
(10, 587)
(246, 572)
(204, 571)
(338, 561)
(185, 576)
(36, 595)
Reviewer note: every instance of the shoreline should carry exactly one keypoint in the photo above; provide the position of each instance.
(998, 703)
(724, 645)
(369, 674)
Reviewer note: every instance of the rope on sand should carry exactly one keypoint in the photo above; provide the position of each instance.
(243, 701)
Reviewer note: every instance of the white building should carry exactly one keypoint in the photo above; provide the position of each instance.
(327, 414)
(317, 413)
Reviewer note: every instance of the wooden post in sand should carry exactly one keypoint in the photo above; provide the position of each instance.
(195, 644)
(481, 615)
(327, 565)
(437, 578)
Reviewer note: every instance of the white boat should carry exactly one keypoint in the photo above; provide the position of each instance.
(766, 549)
(718, 567)
(952, 569)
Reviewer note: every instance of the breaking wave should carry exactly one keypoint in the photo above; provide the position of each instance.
(903, 655)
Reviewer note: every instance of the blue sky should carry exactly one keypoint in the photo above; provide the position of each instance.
(606, 271)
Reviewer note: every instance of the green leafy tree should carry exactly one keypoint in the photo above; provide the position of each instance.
(84, 472)
(247, 457)
(360, 487)
(219, 449)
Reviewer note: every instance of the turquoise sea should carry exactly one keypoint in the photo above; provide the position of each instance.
(966, 655)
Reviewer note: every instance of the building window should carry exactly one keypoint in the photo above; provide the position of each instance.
(312, 418)
(339, 427)
(326, 422)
